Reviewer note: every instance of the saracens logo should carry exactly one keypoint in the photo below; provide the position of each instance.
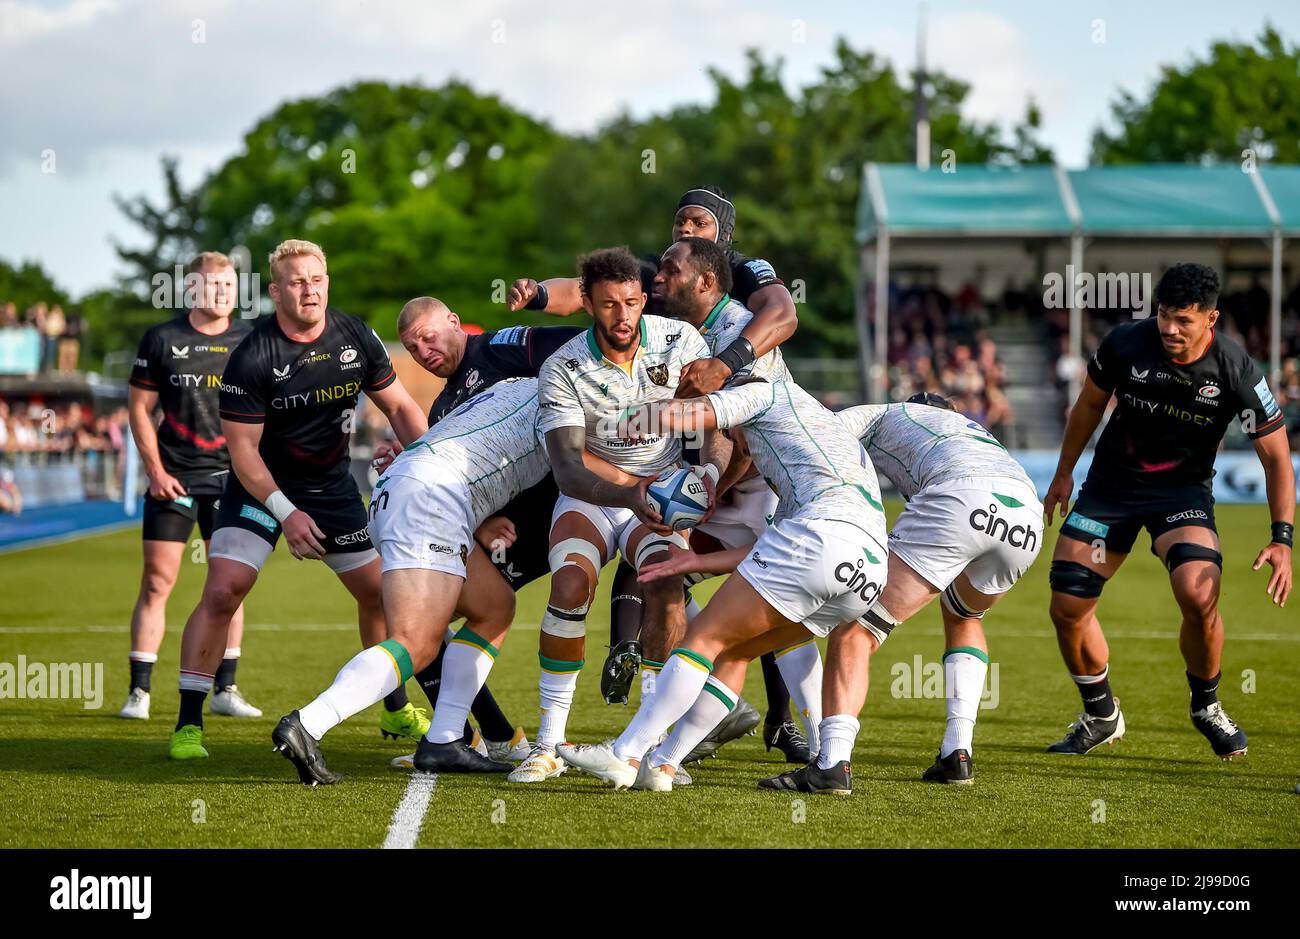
(855, 579)
(1208, 391)
(1018, 536)
(347, 355)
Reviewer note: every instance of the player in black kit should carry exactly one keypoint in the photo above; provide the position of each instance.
(288, 402)
(1178, 386)
(178, 371)
(517, 538)
(702, 212)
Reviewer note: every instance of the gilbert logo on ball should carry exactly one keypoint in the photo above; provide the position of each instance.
(680, 497)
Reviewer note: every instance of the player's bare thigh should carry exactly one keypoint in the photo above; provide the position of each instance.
(486, 601)
(1194, 582)
(418, 605)
(734, 615)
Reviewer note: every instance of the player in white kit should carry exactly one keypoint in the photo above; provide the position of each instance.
(693, 285)
(972, 527)
(821, 564)
(423, 514)
(587, 389)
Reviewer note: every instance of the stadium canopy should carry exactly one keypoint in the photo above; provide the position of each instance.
(1165, 202)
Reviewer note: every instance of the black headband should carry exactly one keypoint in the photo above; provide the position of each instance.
(723, 212)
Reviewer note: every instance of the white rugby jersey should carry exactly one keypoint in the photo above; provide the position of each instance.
(916, 445)
(579, 387)
(817, 468)
(724, 325)
(489, 440)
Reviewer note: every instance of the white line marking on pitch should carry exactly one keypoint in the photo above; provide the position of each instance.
(408, 817)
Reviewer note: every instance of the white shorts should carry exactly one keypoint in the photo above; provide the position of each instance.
(615, 527)
(819, 572)
(424, 522)
(990, 528)
(743, 514)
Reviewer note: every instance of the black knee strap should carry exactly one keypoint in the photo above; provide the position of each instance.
(1184, 551)
(1071, 577)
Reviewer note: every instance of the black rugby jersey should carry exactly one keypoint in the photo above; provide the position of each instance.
(1169, 418)
(305, 393)
(184, 366)
(515, 352)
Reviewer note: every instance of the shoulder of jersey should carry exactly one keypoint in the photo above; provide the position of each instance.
(759, 267)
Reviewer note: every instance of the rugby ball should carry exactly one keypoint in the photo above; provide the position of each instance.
(680, 497)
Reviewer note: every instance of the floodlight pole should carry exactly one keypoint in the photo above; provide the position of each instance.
(1275, 314)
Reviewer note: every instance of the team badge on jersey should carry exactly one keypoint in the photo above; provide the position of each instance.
(658, 374)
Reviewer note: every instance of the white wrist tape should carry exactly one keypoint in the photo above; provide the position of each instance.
(280, 506)
(707, 469)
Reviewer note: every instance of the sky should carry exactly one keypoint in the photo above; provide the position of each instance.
(93, 92)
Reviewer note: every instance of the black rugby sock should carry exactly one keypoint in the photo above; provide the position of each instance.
(141, 674)
(778, 695)
(1205, 691)
(1095, 691)
(225, 674)
(492, 722)
(396, 700)
(191, 708)
(430, 679)
(625, 605)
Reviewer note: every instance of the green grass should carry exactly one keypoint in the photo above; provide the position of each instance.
(76, 777)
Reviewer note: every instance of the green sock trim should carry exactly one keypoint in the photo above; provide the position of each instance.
(693, 657)
(970, 650)
(558, 665)
(471, 638)
(400, 656)
(719, 694)
(651, 664)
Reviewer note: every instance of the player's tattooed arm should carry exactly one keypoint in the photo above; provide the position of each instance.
(565, 447)
(1084, 418)
(140, 404)
(408, 421)
(1279, 474)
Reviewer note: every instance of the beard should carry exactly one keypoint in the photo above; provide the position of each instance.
(613, 342)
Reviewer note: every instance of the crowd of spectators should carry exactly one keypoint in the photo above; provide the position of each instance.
(940, 343)
(57, 335)
(35, 427)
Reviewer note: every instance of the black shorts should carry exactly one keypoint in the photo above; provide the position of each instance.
(1115, 518)
(529, 557)
(335, 506)
(173, 519)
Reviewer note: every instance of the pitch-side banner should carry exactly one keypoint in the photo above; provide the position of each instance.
(1238, 475)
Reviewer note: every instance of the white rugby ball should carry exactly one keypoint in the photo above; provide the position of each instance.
(680, 497)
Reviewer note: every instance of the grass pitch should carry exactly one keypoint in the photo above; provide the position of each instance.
(72, 777)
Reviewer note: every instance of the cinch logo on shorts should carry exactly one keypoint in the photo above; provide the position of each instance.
(257, 515)
(353, 537)
(852, 576)
(1018, 536)
(1091, 526)
(1189, 513)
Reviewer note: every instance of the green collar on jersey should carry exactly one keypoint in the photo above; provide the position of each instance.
(715, 312)
(595, 349)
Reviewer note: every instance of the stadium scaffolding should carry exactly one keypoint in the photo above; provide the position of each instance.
(1164, 202)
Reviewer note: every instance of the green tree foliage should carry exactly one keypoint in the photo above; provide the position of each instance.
(414, 190)
(28, 284)
(1242, 96)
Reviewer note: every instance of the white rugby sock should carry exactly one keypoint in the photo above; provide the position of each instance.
(963, 678)
(676, 689)
(555, 688)
(838, 732)
(465, 665)
(365, 679)
(714, 703)
(801, 670)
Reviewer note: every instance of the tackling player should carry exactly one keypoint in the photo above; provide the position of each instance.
(288, 402)
(516, 538)
(424, 512)
(178, 371)
(702, 212)
(587, 389)
(1177, 385)
(820, 564)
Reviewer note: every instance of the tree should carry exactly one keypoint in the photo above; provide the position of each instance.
(1242, 96)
